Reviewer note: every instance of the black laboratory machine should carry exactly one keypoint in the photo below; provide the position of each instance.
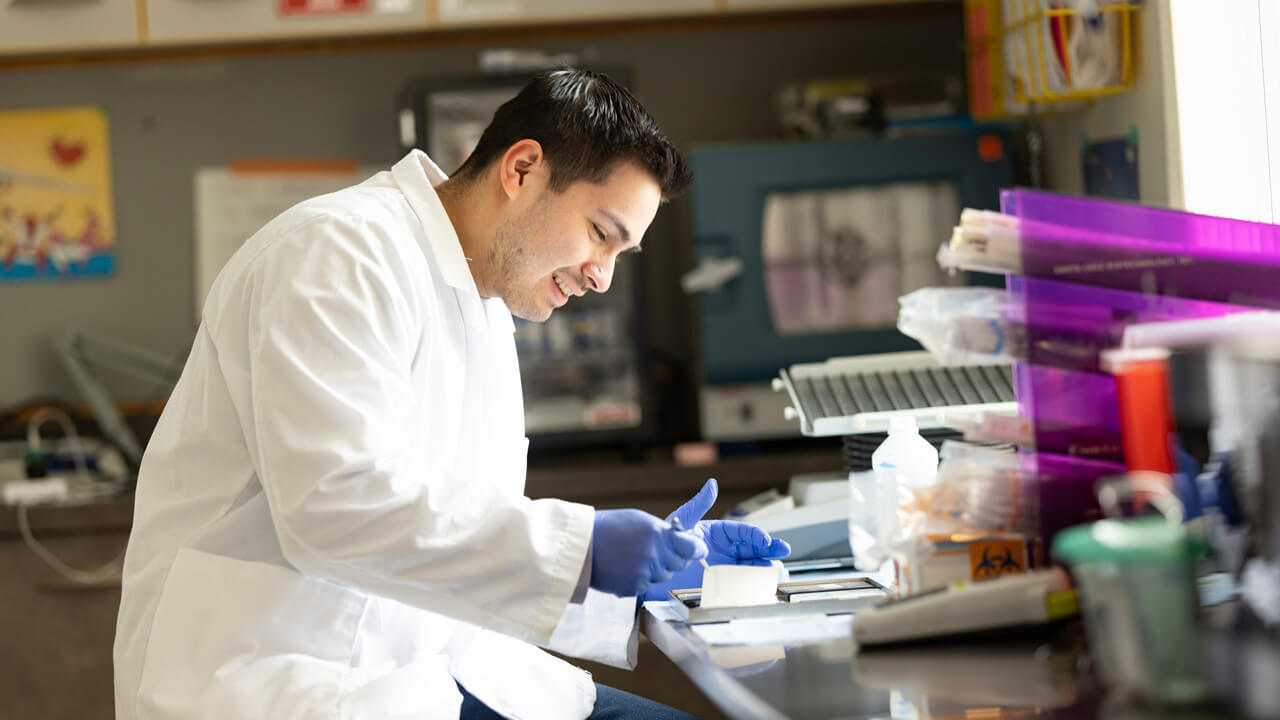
(581, 370)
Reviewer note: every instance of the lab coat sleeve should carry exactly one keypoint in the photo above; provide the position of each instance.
(602, 628)
(334, 325)
(584, 579)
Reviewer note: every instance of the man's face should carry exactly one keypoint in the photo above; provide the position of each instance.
(554, 246)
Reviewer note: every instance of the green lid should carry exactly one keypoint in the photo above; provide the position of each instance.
(1135, 540)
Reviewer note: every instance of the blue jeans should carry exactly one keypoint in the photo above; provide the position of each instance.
(611, 704)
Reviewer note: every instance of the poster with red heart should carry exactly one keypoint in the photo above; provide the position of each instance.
(297, 8)
(57, 213)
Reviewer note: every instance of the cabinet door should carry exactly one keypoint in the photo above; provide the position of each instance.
(200, 20)
(516, 11)
(37, 25)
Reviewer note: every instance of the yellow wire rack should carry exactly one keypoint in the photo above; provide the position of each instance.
(1020, 54)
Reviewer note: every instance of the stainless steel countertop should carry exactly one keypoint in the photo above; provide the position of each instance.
(811, 670)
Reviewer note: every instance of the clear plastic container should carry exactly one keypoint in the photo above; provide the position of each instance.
(961, 325)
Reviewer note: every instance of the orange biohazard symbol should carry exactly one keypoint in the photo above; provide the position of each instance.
(993, 558)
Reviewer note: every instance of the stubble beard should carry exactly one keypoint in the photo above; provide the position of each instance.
(507, 256)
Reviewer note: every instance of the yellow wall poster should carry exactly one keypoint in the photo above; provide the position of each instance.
(57, 216)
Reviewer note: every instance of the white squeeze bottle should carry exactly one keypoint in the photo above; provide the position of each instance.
(903, 462)
(904, 457)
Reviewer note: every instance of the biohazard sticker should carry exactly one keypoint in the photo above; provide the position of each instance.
(993, 558)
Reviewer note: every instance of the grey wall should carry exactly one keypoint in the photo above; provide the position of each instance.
(170, 117)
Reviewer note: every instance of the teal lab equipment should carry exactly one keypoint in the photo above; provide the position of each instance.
(1138, 598)
(802, 248)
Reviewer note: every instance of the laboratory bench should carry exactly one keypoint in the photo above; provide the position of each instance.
(808, 668)
(799, 670)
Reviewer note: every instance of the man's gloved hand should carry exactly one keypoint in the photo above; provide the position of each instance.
(728, 542)
(631, 550)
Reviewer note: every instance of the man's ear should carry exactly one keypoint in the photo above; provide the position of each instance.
(520, 163)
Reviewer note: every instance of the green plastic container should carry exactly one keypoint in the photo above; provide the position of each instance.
(1137, 585)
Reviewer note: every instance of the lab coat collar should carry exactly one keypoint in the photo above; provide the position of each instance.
(418, 175)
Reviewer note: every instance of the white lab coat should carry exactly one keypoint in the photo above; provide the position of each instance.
(330, 519)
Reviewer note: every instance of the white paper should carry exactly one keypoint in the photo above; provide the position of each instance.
(232, 206)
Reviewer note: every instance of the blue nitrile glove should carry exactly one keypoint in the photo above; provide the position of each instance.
(729, 542)
(631, 550)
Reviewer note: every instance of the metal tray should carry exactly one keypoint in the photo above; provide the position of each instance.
(828, 597)
(859, 394)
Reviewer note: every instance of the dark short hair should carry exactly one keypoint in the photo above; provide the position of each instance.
(586, 124)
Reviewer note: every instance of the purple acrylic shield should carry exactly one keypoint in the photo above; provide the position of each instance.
(1066, 489)
(1075, 413)
(1072, 403)
(1158, 225)
(1151, 263)
(1151, 250)
(1068, 325)
(1099, 266)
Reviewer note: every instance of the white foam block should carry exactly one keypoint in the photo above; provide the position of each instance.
(739, 586)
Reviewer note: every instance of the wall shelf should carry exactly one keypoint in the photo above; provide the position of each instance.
(492, 33)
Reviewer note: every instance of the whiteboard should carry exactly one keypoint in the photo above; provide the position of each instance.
(231, 205)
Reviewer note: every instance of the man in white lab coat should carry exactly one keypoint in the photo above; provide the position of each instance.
(330, 519)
